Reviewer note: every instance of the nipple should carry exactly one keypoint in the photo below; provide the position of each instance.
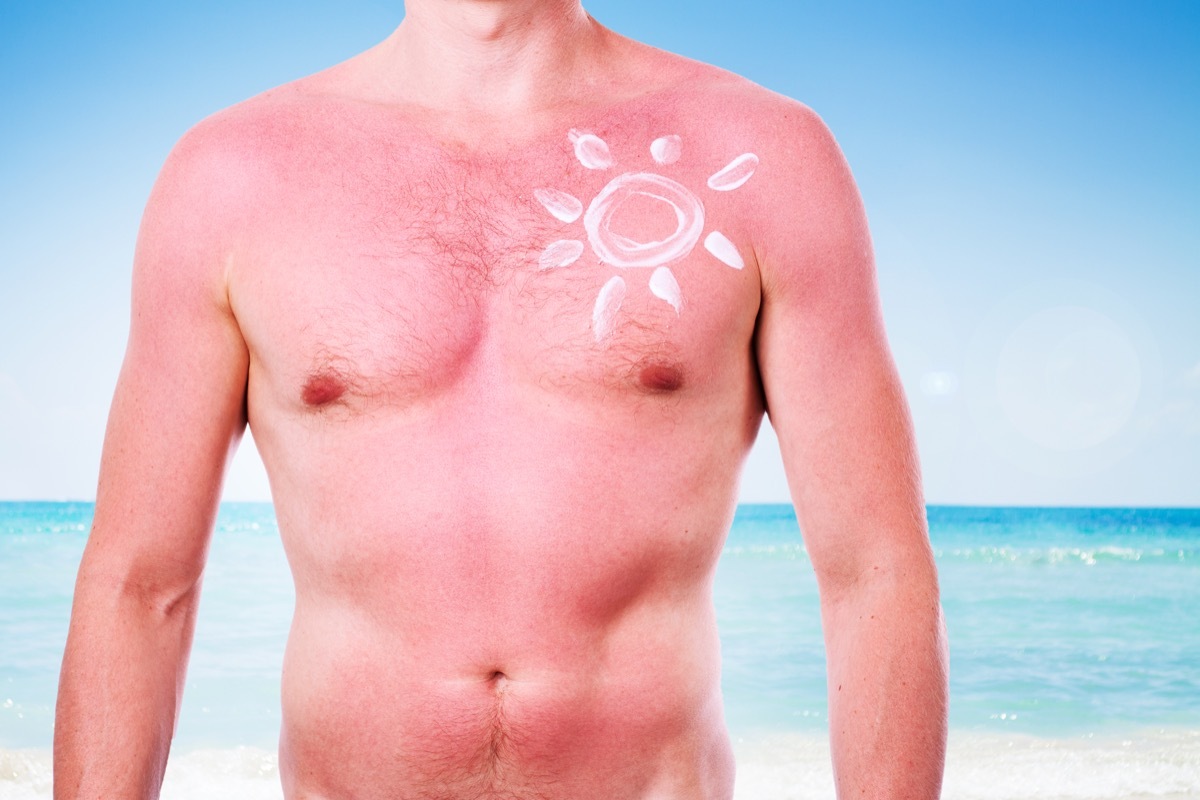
(661, 377)
(322, 389)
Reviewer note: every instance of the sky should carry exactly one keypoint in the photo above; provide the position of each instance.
(1030, 170)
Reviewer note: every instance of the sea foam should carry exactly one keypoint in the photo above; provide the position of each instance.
(244, 773)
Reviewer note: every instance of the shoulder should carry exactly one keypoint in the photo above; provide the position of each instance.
(737, 106)
(802, 207)
(797, 151)
(222, 176)
(209, 194)
(794, 145)
(727, 113)
(808, 220)
(233, 151)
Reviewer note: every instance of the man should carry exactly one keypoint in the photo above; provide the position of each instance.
(504, 300)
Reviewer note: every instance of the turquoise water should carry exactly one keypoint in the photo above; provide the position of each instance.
(1063, 622)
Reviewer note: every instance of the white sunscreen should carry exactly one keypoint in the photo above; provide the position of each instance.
(621, 251)
(562, 253)
(734, 174)
(608, 303)
(591, 150)
(719, 245)
(564, 207)
(624, 252)
(666, 149)
(664, 286)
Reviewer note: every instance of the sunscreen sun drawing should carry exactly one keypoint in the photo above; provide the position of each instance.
(622, 252)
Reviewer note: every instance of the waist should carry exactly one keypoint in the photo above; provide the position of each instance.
(437, 555)
(534, 710)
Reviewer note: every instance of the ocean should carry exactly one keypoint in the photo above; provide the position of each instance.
(1074, 635)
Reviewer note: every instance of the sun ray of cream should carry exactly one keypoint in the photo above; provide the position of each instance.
(666, 149)
(734, 174)
(664, 286)
(562, 253)
(565, 207)
(608, 303)
(719, 245)
(591, 150)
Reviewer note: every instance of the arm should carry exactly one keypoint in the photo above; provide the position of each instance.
(176, 418)
(835, 400)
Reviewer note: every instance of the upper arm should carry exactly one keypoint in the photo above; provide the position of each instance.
(832, 392)
(178, 410)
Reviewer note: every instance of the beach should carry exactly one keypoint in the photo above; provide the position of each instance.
(1075, 653)
(1159, 765)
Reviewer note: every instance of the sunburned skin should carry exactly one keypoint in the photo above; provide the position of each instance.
(433, 407)
(614, 248)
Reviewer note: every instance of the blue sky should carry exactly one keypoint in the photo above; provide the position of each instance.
(1030, 170)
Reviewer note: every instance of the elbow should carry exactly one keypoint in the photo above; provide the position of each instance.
(907, 574)
(145, 587)
(164, 599)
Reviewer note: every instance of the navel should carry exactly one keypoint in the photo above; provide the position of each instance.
(661, 378)
(497, 684)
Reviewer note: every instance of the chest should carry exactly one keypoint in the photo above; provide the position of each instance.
(384, 274)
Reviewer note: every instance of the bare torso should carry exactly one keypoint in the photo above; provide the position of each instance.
(502, 497)
(503, 301)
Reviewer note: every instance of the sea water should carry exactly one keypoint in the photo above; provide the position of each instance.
(1075, 652)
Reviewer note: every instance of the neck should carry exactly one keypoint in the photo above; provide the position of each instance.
(493, 55)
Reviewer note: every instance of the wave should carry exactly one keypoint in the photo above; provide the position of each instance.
(1088, 556)
(1002, 554)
